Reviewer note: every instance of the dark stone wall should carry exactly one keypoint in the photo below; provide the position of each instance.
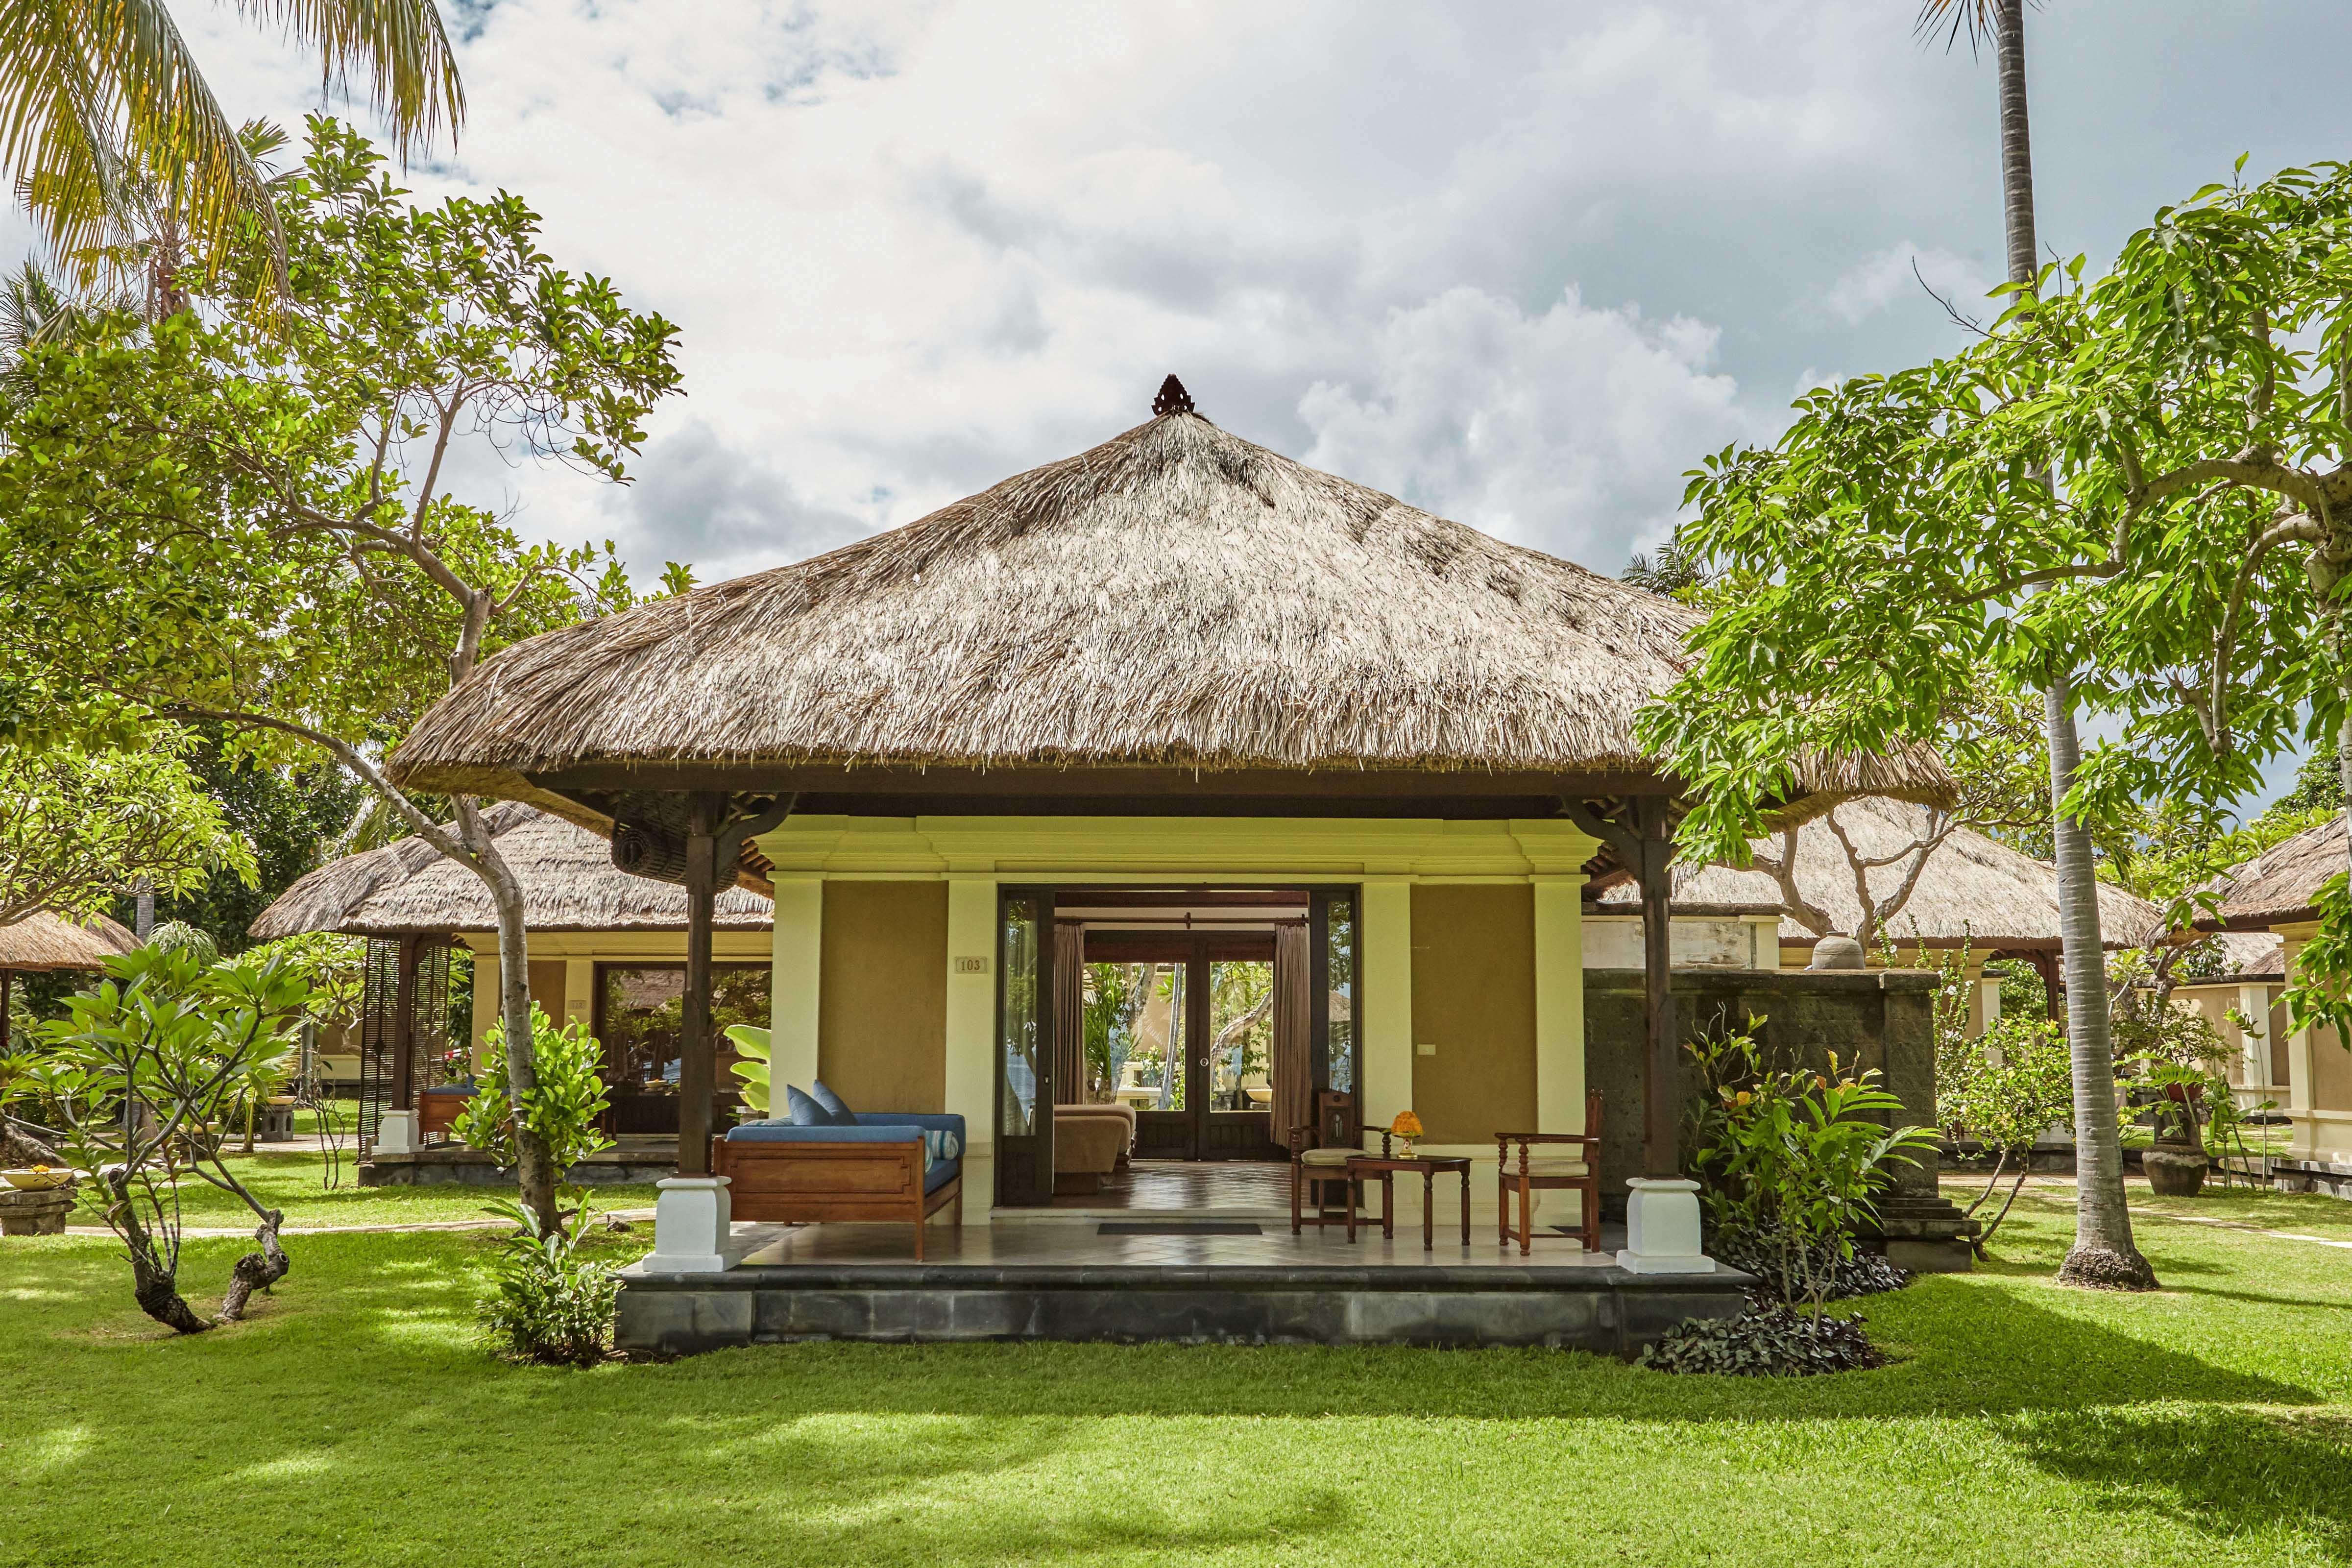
(1881, 1018)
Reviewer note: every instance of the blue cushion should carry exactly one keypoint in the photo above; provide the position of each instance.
(843, 1116)
(775, 1132)
(805, 1111)
(939, 1173)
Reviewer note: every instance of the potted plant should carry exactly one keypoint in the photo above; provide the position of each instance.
(2176, 1161)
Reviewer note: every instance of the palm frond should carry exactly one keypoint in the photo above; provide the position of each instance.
(1954, 17)
(412, 73)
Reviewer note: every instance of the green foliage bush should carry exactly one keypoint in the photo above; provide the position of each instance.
(1791, 1161)
(547, 1303)
(564, 1108)
(1765, 1341)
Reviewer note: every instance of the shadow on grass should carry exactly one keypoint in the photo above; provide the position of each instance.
(2230, 1474)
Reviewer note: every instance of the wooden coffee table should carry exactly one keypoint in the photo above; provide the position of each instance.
(1385, 1166)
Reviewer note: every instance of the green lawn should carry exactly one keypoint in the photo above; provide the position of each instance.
(292, 1181)
(355, 1421)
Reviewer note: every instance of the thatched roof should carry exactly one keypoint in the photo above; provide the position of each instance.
(1972, 888)
(569, 884)
(1174, 597)
(2243, 956)
(46, 941)
(2281, 885)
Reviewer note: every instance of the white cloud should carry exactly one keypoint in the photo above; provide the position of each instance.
(1570, 430)
(1904, 276)
(914, 247)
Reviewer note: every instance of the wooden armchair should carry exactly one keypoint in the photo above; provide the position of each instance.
(1318, 1155)
(1533, 1173)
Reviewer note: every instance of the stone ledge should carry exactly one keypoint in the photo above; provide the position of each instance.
(1602, 1309)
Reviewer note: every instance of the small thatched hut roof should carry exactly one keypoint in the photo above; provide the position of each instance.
(1972, 888)
(1176, 597)
(569, 884)
(46, 941)
(2281, 885)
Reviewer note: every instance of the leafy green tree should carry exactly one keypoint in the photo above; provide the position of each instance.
(2104, 1252)
(292, 816)
(115, 139)
(78, 828)
(184, 1042)
(244, 519)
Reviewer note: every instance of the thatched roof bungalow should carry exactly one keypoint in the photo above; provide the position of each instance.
(43, 941)
(2309, 1069)
(607, 952)
(1973, 892)
(1177, 669)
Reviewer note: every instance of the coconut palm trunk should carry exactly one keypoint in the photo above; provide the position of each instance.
(2103, 1253)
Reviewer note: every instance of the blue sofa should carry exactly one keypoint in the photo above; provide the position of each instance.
(885, 1165)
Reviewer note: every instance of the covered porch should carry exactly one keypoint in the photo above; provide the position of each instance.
(1176, 672)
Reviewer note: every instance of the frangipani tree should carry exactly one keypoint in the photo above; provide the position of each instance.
(248, 517)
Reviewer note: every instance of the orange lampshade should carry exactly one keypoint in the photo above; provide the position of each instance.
(1406, 1125)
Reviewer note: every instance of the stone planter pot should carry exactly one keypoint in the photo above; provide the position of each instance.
(2174, 1173)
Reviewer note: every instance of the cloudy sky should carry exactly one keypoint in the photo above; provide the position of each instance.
(1522, 265)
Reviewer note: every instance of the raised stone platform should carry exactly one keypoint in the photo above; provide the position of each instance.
(1021, 1279)
(40, 1213)
(455, 1165)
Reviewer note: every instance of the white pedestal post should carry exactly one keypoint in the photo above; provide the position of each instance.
(1662, 1228)
(395, 1133)
(691, 1227)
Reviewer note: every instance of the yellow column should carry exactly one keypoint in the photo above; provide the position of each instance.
(792, 994)
(486, 1003)
(2299, 1102)
(580, 991)
(1559, 1004)
(1387, 958)
(972, 1015)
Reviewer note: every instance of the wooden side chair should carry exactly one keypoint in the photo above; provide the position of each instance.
(1533, 1173)
(1318, 1157)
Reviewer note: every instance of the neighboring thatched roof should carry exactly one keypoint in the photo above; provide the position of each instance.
(2244, 955)
(569, 884)
(1973, 889)
(46, 941)
(2281, 885)
(1175, 597)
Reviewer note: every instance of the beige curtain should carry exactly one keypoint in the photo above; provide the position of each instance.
(1294, 1092)
(1069, 1013)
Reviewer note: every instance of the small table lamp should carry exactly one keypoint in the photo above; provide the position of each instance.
(1406, 1127)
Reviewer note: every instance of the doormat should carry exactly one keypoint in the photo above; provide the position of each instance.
(1177, 1227)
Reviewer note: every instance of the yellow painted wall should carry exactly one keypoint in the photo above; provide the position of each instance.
(547, 978)
(882, 1003)
(1474, 998)
(2331, 1072)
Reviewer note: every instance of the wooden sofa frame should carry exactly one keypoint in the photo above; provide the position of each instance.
(803, 1183)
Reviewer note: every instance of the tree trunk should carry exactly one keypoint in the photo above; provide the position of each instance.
(535, 1171)
(2103, 1254)
(155, 1280)
(256, 1271)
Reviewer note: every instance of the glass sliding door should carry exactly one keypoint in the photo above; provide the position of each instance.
(1024, 1057)
(1337, 1011)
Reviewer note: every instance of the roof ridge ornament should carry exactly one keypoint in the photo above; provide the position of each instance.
(1172, 399)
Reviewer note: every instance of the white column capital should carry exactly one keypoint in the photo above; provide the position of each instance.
(1661, 1228)
(691, 1226)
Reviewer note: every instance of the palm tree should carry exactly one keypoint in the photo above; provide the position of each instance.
(2103, 1254)
(105, 121)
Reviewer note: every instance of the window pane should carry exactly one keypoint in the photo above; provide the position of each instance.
(1241, 1034)
(1340, 975)
(1016, 1034)
(1129, 1014)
